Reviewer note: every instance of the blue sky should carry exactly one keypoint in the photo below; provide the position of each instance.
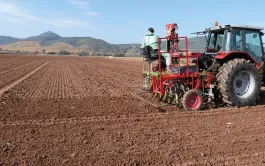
(122, 21)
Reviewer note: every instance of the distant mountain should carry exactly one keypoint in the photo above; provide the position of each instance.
(49, 35)
(8, 40)
(52, 42)
(92, 44)
(44, 38)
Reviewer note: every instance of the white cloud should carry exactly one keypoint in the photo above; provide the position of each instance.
(79, 3)
(11, 19)
(90, 13)
(12, 9)
(83, 5)
(13, 13)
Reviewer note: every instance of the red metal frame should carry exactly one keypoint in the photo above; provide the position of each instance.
(194, 79)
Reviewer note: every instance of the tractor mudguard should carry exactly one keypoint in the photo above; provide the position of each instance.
(226, 56)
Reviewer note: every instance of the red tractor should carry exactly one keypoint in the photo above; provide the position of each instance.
(230, 70)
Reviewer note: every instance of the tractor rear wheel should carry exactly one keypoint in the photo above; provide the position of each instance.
(239, 83)
(192, 100)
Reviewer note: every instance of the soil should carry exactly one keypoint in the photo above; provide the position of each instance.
(14, 67)
(81, 111)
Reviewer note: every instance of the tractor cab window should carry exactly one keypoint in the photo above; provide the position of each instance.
(216, 41)
(219, 41)
(237, 40)
(227, 41)
(211, 41)
(253, 45)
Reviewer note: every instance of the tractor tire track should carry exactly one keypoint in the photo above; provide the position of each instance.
(144, 117)
(38, 84)
(12, 62)
(16, 68)
(9, 86)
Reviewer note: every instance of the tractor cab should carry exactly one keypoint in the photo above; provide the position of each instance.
(234, 38)
(227, 42)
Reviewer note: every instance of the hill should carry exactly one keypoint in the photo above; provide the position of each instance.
(43, 38)
(52, 42)
(7, 40)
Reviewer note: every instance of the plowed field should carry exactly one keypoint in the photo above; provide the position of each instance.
(80, 111)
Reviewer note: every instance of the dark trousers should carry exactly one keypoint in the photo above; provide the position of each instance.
(149, 51)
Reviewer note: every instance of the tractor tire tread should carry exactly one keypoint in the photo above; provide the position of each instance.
(225, 80)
